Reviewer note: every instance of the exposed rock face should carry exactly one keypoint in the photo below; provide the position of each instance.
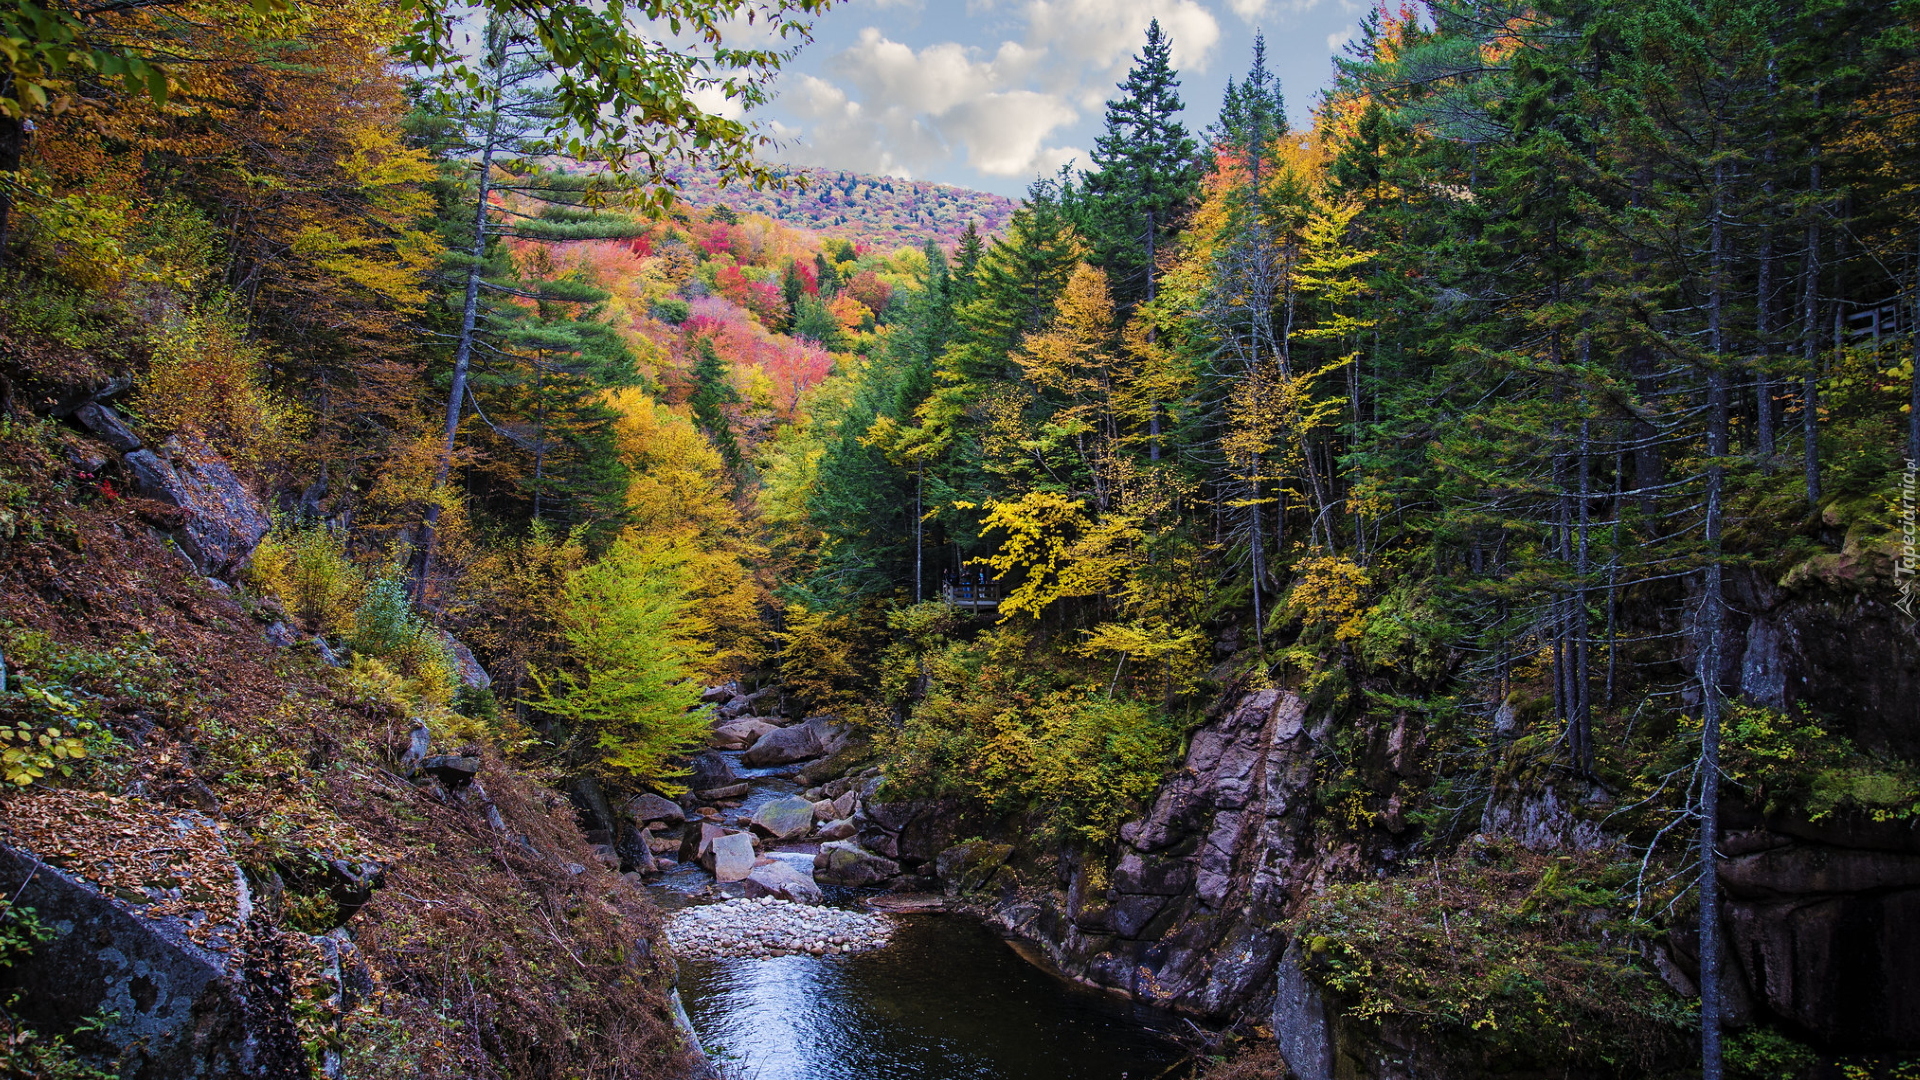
(224, 520)
(1300, 1021)
(180, 991)
(965, 868)
(465, 665)
(1187, 919)
(104, 422)
(1829, 936)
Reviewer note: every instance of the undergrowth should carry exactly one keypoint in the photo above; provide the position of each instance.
(1529, 959)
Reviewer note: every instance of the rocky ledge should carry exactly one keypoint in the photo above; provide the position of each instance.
(767, 927)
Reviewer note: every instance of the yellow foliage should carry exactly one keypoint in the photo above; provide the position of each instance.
(1329, 592)
(309, 569)
(207, 378)
(679, 493)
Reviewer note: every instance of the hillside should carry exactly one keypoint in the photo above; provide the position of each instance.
(882, 211)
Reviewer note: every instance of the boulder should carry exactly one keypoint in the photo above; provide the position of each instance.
(453, 770)
(719, 695)
(709, 770)
(165, 976)
(106, 423)
(649, 807)
(844, 805)
(740, 734)
(224, 521)
(279, 634)
(842, 862)
(785, 818)
(817, 737)
(731, 857)
(784, 881)
(823, 810)
(965, 868)
(837, 830)
(324, 652)
(731, 791)
(695, 844)
(472, 675)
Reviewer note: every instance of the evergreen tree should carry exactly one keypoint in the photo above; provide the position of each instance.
(510, 115)
(712, 393)
(1147, 172)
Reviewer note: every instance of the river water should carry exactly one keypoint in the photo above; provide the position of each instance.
(946, 999)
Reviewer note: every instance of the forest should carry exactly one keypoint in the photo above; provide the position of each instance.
(1500, 402)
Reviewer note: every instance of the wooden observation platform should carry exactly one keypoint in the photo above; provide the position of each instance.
(973, 596)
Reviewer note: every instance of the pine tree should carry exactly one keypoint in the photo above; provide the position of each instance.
(511, 114)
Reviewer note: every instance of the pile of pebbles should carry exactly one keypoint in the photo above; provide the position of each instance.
(757, 929)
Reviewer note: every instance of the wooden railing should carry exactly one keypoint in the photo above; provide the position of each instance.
(973, 596)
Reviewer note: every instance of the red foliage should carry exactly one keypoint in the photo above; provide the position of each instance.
(762, 298)
(871, 291)
(809, 277)
(793, 366)
(717, 238)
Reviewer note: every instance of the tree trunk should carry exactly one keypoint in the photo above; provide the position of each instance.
(462, 360)
(13, 141)
(1810, 354)
(1913, 388)
(1711, 1006)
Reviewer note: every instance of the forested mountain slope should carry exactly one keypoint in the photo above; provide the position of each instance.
(879, 211)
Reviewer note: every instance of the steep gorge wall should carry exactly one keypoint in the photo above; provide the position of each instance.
(1822, 918)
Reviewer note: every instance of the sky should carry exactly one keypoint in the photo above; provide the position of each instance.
(990, 94)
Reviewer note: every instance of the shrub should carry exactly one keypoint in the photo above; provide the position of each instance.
(309, 569)
(1786, 762)
(385, 627)
(990, 730)
(206, 376)
(1762, 1053)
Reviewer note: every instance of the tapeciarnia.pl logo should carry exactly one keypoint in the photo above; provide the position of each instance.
(1904, 567)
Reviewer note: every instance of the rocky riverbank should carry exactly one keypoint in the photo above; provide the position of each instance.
(769, 927)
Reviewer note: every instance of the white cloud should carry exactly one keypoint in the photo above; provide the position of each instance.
(1004, 133)
(1251, 10)
(1106, 33)
(934, 79)
(711, 98)
(1337, 40)
(913, 109)
(895, 108)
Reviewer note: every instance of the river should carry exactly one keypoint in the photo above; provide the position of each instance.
(946, 999)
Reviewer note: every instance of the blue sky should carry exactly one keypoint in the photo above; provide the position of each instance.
(988, 94)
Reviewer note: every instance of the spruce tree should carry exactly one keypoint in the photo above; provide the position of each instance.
(1148, 172)
(711, 394)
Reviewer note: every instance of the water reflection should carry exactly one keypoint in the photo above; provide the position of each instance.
(947, 1000)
